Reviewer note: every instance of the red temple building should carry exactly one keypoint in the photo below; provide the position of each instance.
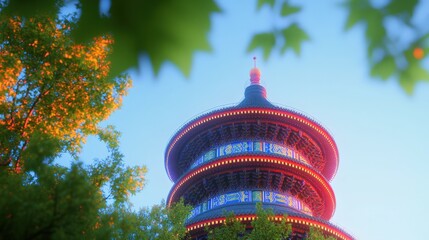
(231, 158)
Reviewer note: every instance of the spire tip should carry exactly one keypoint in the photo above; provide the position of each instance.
(255, 74)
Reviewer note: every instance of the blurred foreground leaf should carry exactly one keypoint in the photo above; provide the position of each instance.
(261, 3)
(384, 68)
(294, 36)
(281, 38)
(264, 41)
(288, 9)
(163, 30)
(403, 55)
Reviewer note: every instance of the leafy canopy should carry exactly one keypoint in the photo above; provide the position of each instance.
(233, 229)
(316, 234)
(53, 94)
(263, 227)
(51, 85)
(82, 202)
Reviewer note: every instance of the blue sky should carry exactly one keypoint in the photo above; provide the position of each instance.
(381, 185)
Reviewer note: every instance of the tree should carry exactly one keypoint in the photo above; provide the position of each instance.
(167, 31)
(163, 223)
(51, 85)
(316, 234)
(53, 94)
(47, 201)
(232, 229)
(53, 202)
(263, 227)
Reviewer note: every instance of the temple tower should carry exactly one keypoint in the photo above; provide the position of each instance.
(231, 158)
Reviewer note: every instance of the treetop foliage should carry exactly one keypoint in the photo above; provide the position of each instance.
(316, 234)
(54, 92)
(263, 228)
(55, 202)
(52, 86)
(233, 229)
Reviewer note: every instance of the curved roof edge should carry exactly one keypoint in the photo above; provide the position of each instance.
(191, 124)
(249, 209)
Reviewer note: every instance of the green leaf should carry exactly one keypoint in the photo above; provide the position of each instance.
(294, 36)
(261, 3)
(90, 24)
(384, 68)
(401, 7)
(423, 42)
(124, 54)
(417, 72)
(412, 75)
(265, 41)
(375, 31)
(289, 10)
(407, 83)
(352, 19)
(165, 31)
(357, 10)
(172, 31)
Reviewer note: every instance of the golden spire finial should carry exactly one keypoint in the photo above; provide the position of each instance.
(255, 74)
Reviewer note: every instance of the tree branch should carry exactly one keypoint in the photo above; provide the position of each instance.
(26, 121)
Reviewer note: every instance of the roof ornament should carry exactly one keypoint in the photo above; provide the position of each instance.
(255, 74)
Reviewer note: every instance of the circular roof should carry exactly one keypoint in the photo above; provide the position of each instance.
(254, 106)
